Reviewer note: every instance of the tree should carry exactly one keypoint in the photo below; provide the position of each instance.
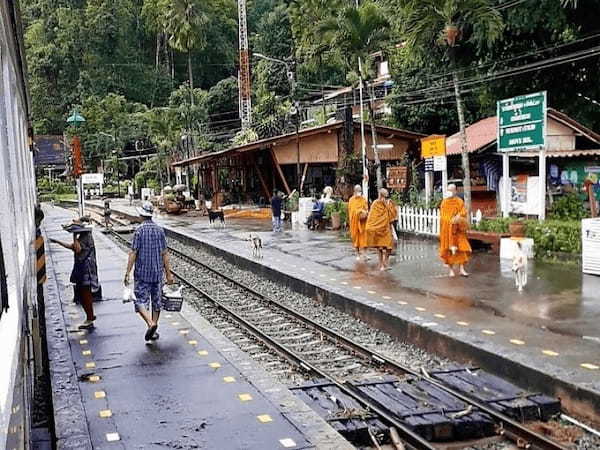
(186, 22)
(427, 23)
(357, 33)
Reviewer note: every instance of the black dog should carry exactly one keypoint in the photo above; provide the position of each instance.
(214, 215)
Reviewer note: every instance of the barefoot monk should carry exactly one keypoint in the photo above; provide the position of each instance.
(358, 209)
(379, 230)
(454, 245)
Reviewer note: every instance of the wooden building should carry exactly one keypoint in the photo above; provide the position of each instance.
(250, 172)
(573, 153)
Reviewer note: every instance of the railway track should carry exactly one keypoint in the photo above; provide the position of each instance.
(321, 353)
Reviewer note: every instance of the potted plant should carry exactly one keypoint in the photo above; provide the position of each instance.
(337, 212)
(517, 228)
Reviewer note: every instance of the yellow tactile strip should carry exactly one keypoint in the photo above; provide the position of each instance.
(106, 413)
(462, 323)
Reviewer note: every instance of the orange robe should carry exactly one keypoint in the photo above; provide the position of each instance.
(358, 231)
(393, 208)
(453, 235)
(379, 232)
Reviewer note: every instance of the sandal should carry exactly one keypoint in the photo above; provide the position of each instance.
(150, 332)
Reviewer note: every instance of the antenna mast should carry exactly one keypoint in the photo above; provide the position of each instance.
(244, 72)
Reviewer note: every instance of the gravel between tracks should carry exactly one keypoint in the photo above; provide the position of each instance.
(325, 315)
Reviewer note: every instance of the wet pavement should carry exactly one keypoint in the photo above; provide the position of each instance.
(558, 296)
(189, 389)
(544, 338)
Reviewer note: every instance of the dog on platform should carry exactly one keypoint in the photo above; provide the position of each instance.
(213, 216)
(255, 245)
(519, 267)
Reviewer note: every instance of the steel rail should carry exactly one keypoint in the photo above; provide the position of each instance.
(407, 434)
(509, 426)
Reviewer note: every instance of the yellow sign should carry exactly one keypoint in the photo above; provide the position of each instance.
(434, 145)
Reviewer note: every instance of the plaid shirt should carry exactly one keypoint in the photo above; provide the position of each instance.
(149, 242)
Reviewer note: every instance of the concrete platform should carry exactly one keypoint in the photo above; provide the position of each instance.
(545, 339)
(190, 389)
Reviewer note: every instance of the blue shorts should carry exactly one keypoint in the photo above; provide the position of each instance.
(146, 292)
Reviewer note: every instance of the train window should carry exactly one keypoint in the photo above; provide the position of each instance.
(3, 287)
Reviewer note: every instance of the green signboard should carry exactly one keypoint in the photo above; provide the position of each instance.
(522, 122)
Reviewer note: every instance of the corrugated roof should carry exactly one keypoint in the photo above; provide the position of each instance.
(561, 153)
(269, 142)
(484, 132)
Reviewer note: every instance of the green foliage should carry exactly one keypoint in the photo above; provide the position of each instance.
(498, 225)
(54, 190)
(568, 207)
(357, 33)
(244, 137)
(336, 207)
(549, 236)
(552, 236)
(292, 202)
(222, 99)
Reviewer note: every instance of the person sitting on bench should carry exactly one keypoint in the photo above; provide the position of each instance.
(316, 214)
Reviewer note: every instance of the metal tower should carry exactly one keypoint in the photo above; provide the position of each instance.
(244, 72)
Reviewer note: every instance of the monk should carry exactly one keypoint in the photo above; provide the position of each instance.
(454, 245)
(393, 208)
(358, 209)
(379, 231)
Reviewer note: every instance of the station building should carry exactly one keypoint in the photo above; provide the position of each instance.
(573, 159)
(249, 173)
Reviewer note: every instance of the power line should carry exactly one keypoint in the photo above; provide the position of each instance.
(515, 57)
(538, 65)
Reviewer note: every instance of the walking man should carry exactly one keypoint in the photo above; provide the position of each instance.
(276, 204)
(149, 255)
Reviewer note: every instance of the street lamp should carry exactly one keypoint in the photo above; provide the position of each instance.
(295, 110)
(75, 119)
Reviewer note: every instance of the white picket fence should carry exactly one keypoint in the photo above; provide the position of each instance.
(423, 220)
(419, 220)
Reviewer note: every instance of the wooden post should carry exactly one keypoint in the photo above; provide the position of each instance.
(262, 179)
(280, 172)
(303, 178)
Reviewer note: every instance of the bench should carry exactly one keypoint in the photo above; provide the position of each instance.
(487, 237)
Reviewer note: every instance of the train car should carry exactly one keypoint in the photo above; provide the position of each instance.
(18, 273)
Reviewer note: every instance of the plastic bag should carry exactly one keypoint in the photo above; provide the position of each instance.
(128, 294)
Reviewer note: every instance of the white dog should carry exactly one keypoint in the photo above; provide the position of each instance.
(256, 245)
(519, 267)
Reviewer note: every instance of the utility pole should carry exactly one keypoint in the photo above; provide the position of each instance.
(363, 145)
(295, 109)
(244, 88)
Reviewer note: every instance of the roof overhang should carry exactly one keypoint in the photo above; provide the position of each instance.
(558, 153)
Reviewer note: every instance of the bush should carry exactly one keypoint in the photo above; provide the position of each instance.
(555, 236)
(499, 225)
(568, 207)
(550, 236)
